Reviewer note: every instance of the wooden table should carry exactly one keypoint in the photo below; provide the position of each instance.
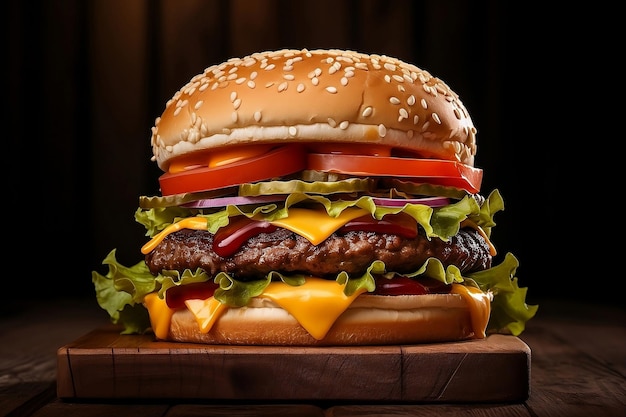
(578, 368)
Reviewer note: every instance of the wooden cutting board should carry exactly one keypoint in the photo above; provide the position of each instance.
(105, 364)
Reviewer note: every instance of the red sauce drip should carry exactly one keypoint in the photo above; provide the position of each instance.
(175, 296)
(410, 286)
(229, 239)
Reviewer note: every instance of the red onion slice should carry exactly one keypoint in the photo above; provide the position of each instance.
(234, 201)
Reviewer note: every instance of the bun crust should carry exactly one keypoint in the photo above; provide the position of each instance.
(370, 320)
(315, 96)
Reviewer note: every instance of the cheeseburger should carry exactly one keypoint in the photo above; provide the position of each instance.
(316, 197)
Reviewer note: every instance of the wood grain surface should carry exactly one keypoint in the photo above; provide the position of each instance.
(105, 364)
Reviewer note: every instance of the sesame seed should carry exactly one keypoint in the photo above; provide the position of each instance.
(424, 104)
(198, 105)
(411, 100)
(394, 100)
(416, 119)
(332, 122)
(240, 80)
(344, 125)
(315, 81)
(425, 126)
(387, 78)
(293, 131)
(382, 130)
(300, 88)
(403, 114)
(331, 89)
(367, 111)
(257, 116)
(389, 66)
(236, 103)
(234, 116)
(253, 75)
(270, 67)
(177, 111)
(436, 118)
(344, 81)
(398, 78)
(282, 86)
(289, 77)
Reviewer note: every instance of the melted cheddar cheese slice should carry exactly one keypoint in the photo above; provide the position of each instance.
(479, 305)
(160, 314)
(316, 304)
(316, 225)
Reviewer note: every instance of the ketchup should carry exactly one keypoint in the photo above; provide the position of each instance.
(175, 296)
(229, 239)
(408, 286)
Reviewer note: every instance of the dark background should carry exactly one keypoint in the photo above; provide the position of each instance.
(87, 79)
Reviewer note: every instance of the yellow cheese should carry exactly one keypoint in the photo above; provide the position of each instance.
(197, 223)
(160, 315)
(316, 225)
(206, 312)
(316, 305)
(479, 305)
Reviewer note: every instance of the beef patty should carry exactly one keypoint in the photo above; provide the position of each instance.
(285, 251)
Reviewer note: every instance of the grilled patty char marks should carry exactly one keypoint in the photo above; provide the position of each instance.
(285, 251)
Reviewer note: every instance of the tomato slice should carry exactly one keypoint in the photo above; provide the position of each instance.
(434, 171)
(276, 163)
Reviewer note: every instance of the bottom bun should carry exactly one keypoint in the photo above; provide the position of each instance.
(370, 320)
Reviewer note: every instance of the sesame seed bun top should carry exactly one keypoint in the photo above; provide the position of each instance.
(315, 96)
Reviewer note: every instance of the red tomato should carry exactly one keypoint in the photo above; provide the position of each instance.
(434, 171)
(276, 163)
(175, 296)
